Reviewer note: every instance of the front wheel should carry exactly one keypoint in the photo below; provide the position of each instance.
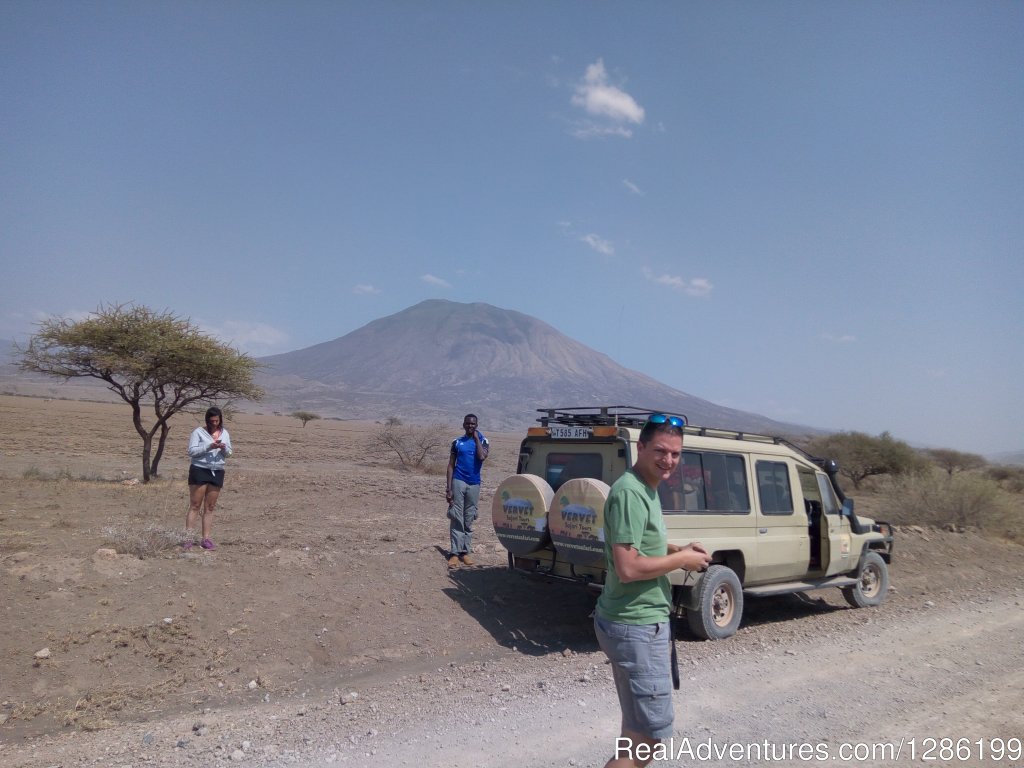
(872, 583)
(719, 605)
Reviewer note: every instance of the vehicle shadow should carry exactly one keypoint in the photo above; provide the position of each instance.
(532, 616)
(763, 611)
(781, 608)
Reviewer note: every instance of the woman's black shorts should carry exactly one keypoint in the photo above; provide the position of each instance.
(204, 476)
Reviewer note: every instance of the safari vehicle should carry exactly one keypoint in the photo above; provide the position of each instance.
(773, 518)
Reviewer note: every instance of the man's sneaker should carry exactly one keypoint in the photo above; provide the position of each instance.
(466, 559)
(453, 561)
(207, 544)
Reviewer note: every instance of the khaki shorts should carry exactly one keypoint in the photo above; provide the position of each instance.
(641, 656)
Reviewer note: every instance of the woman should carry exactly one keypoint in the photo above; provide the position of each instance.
(208, 448)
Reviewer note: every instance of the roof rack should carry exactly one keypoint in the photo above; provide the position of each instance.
(635, 416)
(599, 415)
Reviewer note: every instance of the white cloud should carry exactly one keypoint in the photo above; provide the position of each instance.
(599, 244)
(698, 286)
(595, 95)
(846, 338)
(431, 280)
(364, 290)
(254, 338)
(590, 130)
(632, 187)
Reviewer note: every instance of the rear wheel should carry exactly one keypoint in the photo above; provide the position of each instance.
(872, 583)
(719, 605)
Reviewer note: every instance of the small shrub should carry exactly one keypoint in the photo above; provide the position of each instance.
(147, 541)
(415, 447)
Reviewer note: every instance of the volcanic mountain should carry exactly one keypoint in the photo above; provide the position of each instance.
(439, 359)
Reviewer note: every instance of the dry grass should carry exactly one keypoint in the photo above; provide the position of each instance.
(89, 712)
(966, 499)
(63, 475)
(146, 541)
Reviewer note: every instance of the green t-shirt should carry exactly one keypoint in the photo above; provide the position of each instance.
(632, 515)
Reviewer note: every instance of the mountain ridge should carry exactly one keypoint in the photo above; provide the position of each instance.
(439, 359)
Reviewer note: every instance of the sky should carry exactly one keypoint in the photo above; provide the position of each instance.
(812, 211)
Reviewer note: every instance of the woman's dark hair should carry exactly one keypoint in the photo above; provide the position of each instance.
(213, 411)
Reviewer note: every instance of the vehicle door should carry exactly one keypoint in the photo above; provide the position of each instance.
(783, 549)
(836, 550)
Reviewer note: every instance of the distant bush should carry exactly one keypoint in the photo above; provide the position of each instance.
(415, 447)
(1009, 478)
(965, 499)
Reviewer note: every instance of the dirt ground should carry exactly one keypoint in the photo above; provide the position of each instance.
(329, 571)
(330, 578)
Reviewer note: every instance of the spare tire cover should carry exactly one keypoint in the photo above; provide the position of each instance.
(576, 521)
(519, 512)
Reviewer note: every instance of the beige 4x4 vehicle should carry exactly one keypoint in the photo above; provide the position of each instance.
(773, 518)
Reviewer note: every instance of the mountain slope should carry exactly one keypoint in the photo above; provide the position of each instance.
(438, 359)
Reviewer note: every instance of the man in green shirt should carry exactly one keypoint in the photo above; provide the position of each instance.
(631, 620)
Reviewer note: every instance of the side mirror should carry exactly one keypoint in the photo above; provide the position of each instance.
(847, 507)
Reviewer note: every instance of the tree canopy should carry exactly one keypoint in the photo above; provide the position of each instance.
(149, 359)
(861, 456)
(955, 461)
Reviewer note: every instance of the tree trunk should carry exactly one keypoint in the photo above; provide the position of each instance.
(147, 448)
(164, 429)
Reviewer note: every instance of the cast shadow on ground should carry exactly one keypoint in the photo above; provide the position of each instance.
(779, 609)
(533, 616)
(537, 616)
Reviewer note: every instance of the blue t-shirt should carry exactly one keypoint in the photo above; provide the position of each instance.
(467, 465)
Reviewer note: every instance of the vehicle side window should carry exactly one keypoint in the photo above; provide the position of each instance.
(829, 502)
(773, 488)
(706, 482)
(562, 467)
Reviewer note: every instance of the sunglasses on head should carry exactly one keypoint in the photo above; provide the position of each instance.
(674, 421)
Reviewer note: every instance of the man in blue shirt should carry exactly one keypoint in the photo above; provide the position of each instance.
(463, 489)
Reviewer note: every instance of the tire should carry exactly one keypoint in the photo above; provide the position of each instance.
(519, 513)
(872, 583)
(719, 605)
(576, 521)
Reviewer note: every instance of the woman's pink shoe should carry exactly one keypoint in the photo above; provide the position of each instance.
(207, 544)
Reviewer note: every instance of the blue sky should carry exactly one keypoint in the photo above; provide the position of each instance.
(813, 211)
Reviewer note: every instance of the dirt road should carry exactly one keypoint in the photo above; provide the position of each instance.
(854, 692)
(951, 672)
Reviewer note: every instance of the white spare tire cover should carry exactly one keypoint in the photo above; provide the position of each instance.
(576, 521)
(520, 513)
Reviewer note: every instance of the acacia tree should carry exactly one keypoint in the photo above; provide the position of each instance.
(304, 416)
(149, 359)
(955, 461)
(861, 456)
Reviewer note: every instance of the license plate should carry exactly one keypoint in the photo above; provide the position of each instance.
(570, 433)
